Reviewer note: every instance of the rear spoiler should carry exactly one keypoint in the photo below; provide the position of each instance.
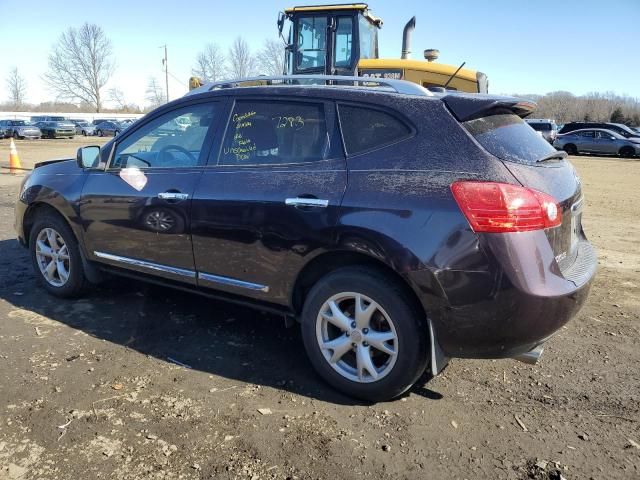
(470, 107)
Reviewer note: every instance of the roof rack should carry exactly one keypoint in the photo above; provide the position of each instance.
(396, 86)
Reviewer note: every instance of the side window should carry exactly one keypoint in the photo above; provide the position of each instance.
(275, 132)
(311, 44)
(365, 129)
(344, 42)
(172, 140)
(587, 133)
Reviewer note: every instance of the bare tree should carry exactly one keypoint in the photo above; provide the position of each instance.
(117, 97)
(241, 61)
(80, 65)
(271, 58)
(17, 88)
(155, 94)
(210, 64)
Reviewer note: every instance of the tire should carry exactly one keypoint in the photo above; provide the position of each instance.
(84, 133)
(99, 132)
(627, 152)
(394, 315)
(15, 135)
(571, 149)
(40, 241)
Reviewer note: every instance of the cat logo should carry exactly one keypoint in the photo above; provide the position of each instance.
(390, 74)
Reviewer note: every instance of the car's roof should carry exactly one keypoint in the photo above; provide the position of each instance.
(463, 105)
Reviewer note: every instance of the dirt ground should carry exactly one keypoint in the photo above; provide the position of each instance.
(94, 388)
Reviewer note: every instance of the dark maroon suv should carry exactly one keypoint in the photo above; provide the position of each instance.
(399, 227)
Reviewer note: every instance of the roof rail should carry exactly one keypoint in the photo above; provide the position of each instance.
(397, 86)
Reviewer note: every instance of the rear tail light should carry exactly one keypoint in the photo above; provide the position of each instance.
(502, 207)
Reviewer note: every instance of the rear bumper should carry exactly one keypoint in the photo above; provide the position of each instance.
(517, 304)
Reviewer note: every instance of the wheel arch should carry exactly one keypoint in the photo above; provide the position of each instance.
(41, 208)
(326, 262)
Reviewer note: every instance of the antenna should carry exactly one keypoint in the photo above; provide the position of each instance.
(454, 74)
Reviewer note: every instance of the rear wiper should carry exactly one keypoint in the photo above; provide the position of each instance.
(559, 155)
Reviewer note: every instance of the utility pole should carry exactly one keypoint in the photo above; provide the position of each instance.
(166, 71)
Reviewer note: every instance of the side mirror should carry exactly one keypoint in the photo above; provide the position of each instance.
(281, 18)
(87, 157)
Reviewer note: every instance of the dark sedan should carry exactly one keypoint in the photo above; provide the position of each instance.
(109, 128)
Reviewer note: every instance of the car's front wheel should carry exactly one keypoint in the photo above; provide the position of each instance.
(363, 334)
(99, 132)
(56, 258)
(627, 152)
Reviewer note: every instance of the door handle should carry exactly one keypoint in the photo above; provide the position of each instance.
(173, 196)
(306, 202)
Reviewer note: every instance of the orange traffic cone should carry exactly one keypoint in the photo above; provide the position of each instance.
(14, 159)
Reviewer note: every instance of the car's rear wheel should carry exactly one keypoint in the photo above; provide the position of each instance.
(99, 132)
(627, 152)
(571, 149)
(84, 133)
(363, 334)
(56, 258)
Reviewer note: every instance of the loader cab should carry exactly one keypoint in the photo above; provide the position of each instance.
(329, 39)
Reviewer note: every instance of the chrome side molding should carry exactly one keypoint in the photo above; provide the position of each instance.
(146, 265)
(232, 282)
(205, 277)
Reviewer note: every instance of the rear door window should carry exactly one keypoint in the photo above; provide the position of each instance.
(276, 132)
(508, 137)
(365, 129)
(586, 133)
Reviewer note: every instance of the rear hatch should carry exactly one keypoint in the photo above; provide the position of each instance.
(501, 131)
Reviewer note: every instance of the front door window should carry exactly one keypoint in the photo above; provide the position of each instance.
(173, 140)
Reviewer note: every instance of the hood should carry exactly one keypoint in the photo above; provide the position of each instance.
(57, 166)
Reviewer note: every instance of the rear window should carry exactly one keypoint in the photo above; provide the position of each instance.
(508, 137)
(540, 127)
(365, 128)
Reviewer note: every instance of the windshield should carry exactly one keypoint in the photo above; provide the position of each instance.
(311, 43)
(508, 137)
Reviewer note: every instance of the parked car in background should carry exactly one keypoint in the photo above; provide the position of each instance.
(547, 127)
(109, 128)
(19, 129)
(400, 227)
(84, 128)
(57, 129)
(100, 120)
(614, 127)
(48, 118)
(598, 141)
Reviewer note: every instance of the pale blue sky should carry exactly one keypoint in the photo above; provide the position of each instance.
(523, 46)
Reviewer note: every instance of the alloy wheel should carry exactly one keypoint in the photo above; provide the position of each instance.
(52, 256)
(357, 337)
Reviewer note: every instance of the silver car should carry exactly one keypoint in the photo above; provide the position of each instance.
(84, 128)
(19, 129)
(598, 141)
